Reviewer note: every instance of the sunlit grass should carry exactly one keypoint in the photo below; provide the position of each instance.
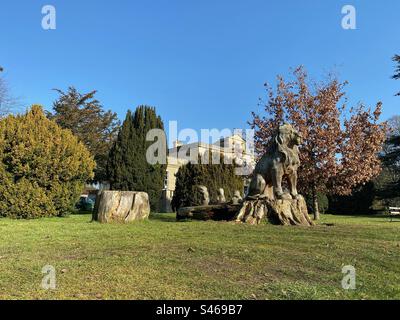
(165, 259)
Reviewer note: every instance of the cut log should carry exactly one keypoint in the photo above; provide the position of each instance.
(216, 212)
(121, 206)
(278, 212)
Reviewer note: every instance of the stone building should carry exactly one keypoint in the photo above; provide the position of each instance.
(232, 147)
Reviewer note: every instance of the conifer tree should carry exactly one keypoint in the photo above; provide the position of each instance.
(84, 115)
(43, 167)
(128, 168)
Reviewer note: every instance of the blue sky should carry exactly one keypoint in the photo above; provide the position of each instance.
(202, 63)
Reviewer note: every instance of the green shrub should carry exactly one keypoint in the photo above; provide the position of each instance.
(43, 168)
(360, 202)
(213, 176)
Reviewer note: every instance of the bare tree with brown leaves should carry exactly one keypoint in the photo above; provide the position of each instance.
(7, 101)
(341, 145)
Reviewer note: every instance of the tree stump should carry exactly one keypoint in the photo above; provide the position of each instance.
(278, 212)
(217, 212)
(121, 206)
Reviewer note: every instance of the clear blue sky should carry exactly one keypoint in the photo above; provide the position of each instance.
(200, 62)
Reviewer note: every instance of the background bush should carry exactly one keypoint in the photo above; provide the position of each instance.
(213, 176)
(43, 168)
(323, 203)
(360, 202)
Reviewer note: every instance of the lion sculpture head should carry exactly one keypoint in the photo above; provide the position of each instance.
(287, 141)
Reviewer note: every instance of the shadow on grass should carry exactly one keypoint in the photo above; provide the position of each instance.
(163, 217)
(78, 212)
(382, 216)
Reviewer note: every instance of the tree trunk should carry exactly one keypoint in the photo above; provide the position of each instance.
(315, 204)
(278, 212)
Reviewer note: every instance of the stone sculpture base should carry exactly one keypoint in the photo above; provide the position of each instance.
(121, 206)
(218, 212)
(278, 212)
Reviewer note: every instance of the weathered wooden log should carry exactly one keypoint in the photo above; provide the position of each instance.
(216, 212)
(278, 212)
(121, 206)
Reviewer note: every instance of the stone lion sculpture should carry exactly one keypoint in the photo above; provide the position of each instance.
(280, 160)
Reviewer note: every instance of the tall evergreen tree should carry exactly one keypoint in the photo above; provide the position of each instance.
(86, 118)
(128, 168)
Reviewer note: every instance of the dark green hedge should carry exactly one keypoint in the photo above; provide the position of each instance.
(213, 176)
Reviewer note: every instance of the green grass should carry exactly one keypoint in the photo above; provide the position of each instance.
(165, 259)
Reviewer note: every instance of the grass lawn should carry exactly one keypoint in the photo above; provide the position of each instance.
(165, 259)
